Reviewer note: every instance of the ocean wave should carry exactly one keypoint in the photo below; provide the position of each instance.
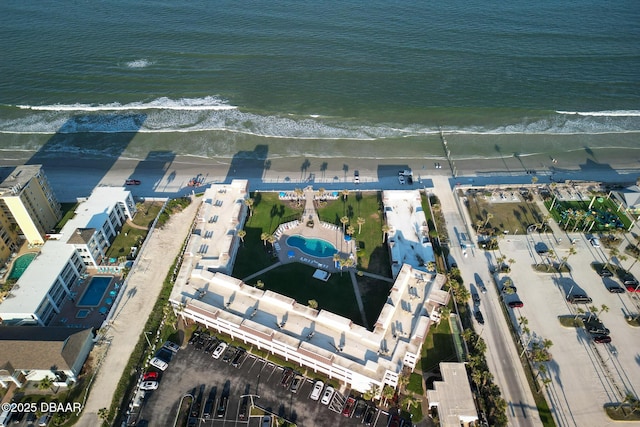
(139, 63)
(212, 114)
(208, 103)
(606, 113)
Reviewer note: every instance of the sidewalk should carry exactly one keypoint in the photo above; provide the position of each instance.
(143, 289)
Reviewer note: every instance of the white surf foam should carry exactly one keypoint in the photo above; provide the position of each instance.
(139, 63)
(207, 103)
(606, 113)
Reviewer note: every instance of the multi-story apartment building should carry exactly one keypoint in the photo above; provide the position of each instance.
(28, 202)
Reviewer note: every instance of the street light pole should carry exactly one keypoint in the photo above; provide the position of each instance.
(147, 338)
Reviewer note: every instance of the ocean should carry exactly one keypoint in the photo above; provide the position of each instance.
(321, 80)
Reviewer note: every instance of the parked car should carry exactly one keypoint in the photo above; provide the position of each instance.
(158, 363)
(483, 289)
(287, 377)
(361, 407)
(266, 421)
(295, 384)
(164, 355)
(605, 272)
(171, 346)
(219, 350)
(356, 177)
(368, 415)
(479, 317)
(348, 408)
(228, 355)
(516, 304)
(149, 385)
(615, 289)
(476, 299)
(595, 242)
(194, 337)
(150, 376)
(238, 358)
(602, 339)
(401, 179)
(579, 299)
(208, 408)
(317, 390)
(222, 407)
(633, 288)
(132, 182)
(327, 395)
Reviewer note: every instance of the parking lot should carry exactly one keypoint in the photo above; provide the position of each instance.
(194, 371)
(584, 375)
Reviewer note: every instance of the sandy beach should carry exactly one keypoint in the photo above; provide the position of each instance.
(168, 176)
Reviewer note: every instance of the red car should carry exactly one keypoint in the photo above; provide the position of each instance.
(633, 288)
(516, 304)
(602, 339)
(132, 182)
(349, 407)
(150, 376)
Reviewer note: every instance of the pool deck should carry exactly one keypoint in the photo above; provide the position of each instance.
(319, 230)
(68, 315)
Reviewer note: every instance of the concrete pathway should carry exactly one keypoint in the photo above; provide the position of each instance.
(356, 291)
(264, 270)
(377, 276)
(143, 288)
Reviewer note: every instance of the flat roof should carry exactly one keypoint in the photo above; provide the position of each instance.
(280, 318)
(453, 396)
(408, 236)
(14, 178)
(40, 275)
(217, 222)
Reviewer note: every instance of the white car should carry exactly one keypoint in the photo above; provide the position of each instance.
(317, 390)
(401, 179)
(328, 394)
(149, 385)
(595, 242)
(356, 177)
(159, 363)
(219, 350)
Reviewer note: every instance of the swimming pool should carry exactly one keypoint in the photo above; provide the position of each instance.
(311, 246)
(20, 265)
(95, 291)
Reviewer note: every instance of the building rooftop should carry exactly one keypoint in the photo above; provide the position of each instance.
(14, 178)
(400, 329)
(408, 235)
(453, 396)
(27, 294)
(219, 218)
(42, 348)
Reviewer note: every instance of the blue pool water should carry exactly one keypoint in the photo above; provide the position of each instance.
(95, 291)
(313, 247)
(20, 265)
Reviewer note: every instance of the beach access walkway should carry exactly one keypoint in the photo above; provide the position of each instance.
(143, 288)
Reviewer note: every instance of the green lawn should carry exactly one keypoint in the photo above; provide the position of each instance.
(268, 213)
(68, 212)
(374, 295)
(372, 254)
(296, 281)
(584, 216)
(499, 217)
(438, 347)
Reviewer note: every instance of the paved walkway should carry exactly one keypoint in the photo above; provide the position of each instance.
(377, 276)
(356, 291)
(264, 270)
(143, 288)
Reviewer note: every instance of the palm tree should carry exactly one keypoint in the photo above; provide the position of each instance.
(534, 180)
(321, 192)
(360, 221)
(264, 237)
(403, 380)
(241, 235)
(46, 383)
(462, 295)
(489, 216)
(410, 400)
(336, 258)
(249, 203)
(350, 230)
(431, 266)
(345, 194)
(299, 193)
(104, 414)
(312, 304)
(579, 312)
(388, 392)
(603, 308)
(478, 225)
(344, 221)
(385, 230)
(259, 284)
(271, 239)
(372, 393)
